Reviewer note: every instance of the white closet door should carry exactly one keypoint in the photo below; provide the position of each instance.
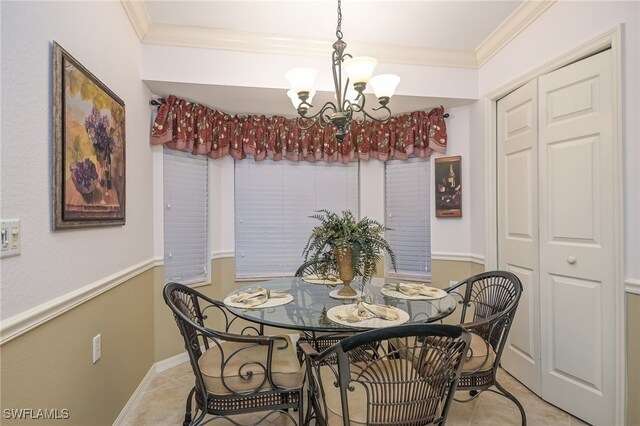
(577, 238)
(518, 226)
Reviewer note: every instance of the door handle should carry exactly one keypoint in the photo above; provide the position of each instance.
(571, 260)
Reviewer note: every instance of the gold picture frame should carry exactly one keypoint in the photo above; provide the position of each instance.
(88, 148)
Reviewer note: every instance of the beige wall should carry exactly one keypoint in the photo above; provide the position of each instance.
(443, 271)
(633, 359)
(168, 341)
(51, 366)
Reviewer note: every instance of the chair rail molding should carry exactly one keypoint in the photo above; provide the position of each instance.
(222, 254)
(34, 317)
(632, 285)
(458, 257)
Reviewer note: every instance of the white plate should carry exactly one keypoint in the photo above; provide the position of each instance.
(368, 323)
(314, 279)
(399, 295)
(275, 301)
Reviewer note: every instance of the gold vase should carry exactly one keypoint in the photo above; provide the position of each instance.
(344, 259)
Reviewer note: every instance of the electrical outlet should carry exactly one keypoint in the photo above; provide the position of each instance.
(452, 283)
(97, 349)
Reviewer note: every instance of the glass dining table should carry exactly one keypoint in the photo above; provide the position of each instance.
(307, 311)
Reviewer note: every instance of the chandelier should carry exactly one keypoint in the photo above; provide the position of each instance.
(349, 98)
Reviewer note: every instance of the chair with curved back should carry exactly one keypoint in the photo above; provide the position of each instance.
(365, 380)
(234, 373)
(488, 306)
(310, 267)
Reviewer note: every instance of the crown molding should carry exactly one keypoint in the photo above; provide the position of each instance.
(510, 28)
(138, 15)
(244, 41)
(252, 42)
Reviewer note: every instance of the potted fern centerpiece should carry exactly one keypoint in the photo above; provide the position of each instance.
(352, 248)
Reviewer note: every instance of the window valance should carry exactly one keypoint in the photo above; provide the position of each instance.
(195, 128)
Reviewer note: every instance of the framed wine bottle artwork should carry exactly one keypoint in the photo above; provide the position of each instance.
(89, 148)
(448, 187)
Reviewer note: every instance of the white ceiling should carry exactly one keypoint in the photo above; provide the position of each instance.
(458, 25)
(447, 26)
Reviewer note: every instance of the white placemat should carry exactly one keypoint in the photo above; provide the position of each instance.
(314, 279)
(368, 323)
(439, 294)
(274, 301)
(335, 295)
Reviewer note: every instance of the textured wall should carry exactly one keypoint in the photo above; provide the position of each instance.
(52, 264)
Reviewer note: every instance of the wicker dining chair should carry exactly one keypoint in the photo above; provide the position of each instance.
(366, 380)
(234, 373)
(488, 306)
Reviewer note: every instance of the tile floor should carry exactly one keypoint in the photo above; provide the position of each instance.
(163, 404)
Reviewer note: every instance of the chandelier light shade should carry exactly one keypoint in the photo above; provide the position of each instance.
(384, 85)
(360, 69)
(295, 100)
(302, 79)
(349, 98)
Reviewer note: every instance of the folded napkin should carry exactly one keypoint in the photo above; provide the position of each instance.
(364, 311)
(413, 289)
(256, 296)
(328, 277)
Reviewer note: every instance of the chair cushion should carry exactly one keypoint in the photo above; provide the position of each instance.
(480, 356)
(241, 358)
(357, 399)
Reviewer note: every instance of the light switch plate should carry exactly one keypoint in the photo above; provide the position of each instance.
(9, 237)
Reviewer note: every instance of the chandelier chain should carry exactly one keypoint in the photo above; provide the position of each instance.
(341, 113)
(339, 27)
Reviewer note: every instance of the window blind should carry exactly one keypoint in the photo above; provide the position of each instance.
(407, 195)
(186, 258)
(273, 203)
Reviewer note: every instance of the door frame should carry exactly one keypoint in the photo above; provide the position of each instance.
(613, 40)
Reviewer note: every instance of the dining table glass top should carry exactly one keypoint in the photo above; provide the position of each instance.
(308, 309)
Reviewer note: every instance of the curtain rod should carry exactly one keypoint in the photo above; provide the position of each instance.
(160, 101)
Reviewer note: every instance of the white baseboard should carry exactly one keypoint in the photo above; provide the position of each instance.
(171, 362)
(130, 406)
(155, 369)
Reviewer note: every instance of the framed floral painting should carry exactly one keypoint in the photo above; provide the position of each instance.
(89, 148)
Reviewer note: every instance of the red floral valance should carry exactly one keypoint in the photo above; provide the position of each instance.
(188, 126)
